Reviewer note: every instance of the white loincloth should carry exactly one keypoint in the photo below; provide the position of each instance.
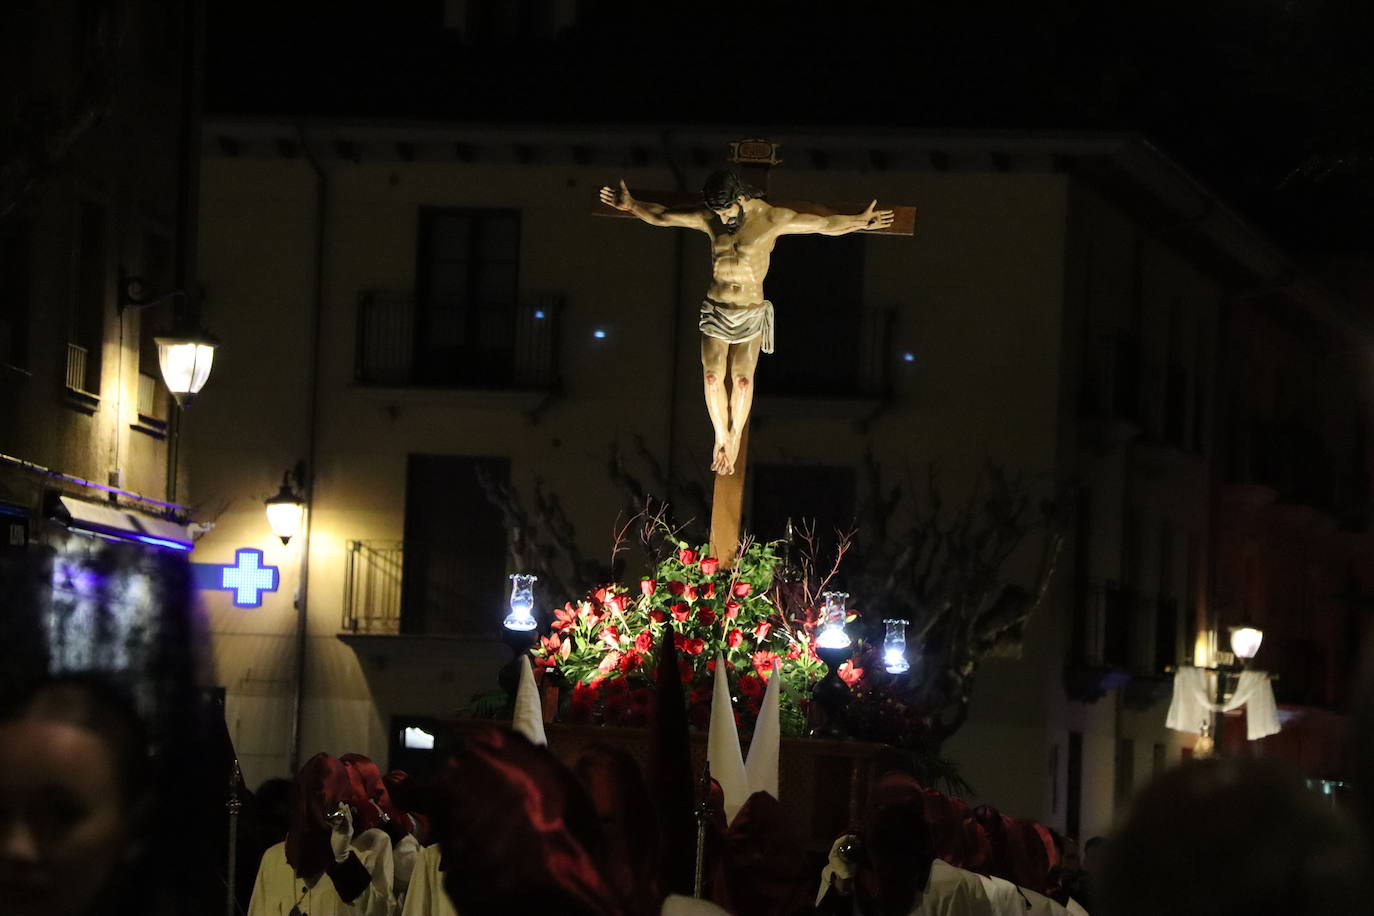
(736, 325)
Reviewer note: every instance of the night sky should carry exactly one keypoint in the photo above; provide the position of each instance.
(1268, 101)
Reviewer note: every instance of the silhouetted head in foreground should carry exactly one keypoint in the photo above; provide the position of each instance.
(1242, 837)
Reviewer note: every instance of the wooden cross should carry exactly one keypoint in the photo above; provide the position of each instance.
(753, 159)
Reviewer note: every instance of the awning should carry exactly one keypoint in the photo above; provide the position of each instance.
(120, 522)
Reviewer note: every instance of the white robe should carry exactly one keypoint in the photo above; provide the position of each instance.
(277, 889)
(1007, 899)
(426, 895)
(952, 891)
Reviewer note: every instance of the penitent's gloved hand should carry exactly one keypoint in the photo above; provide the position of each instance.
(341, 833)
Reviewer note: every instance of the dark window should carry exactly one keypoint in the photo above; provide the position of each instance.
(805, 494)
(455, 546)
(466, 287)
(15, 273)
(88, 313)
(816, 286)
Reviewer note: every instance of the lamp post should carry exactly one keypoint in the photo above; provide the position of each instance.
(1245, 639)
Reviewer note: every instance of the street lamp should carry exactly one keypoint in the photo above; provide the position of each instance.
(1245, 643)
(186, 354)
(286, 510)
(1245, 640)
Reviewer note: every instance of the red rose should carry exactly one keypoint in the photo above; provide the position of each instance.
(742, 589)
(676, 587)
(684, 670)
(647, 586)
(687, 557)
(709, 565)
(731, 610)
(657, 616)
(709, 591)
(690, 593)
(734, 638)
(694, 646)
(681, 611)
(706, 616)
(644, 641)
(621, 602)
(761, 631)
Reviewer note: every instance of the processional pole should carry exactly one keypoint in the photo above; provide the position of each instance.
(703, 814)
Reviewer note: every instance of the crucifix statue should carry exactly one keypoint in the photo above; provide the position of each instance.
(736, 320)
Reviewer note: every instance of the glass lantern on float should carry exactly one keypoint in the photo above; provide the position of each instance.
(521, 618)
(832, 634)
(894, 647)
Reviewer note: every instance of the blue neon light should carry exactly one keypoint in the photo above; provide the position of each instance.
(538, 314)
(160, 542)
(599, 334)
(908, 357)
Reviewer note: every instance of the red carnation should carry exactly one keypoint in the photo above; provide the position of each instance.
(734, 638)
(630, 662)
(751, 685)
(676, 587)
(609, 662)
(709, 565)
(681, 611)
(764, 662)
(687, 557)
(731, 610)
(742, 589)
(647, 586)
(657, 615)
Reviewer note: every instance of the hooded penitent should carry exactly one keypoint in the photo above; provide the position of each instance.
(321, 786)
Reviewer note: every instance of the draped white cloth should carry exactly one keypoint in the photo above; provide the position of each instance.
(1192, 703)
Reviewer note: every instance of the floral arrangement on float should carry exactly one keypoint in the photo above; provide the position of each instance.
(600, 649)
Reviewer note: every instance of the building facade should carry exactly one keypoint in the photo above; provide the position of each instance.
(409, 310)
(98, 172)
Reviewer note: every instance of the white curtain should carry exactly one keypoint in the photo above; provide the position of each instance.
(1194, 689)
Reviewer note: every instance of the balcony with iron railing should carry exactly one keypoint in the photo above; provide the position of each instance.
(506, 349)
(79, 378)
(419, 588)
